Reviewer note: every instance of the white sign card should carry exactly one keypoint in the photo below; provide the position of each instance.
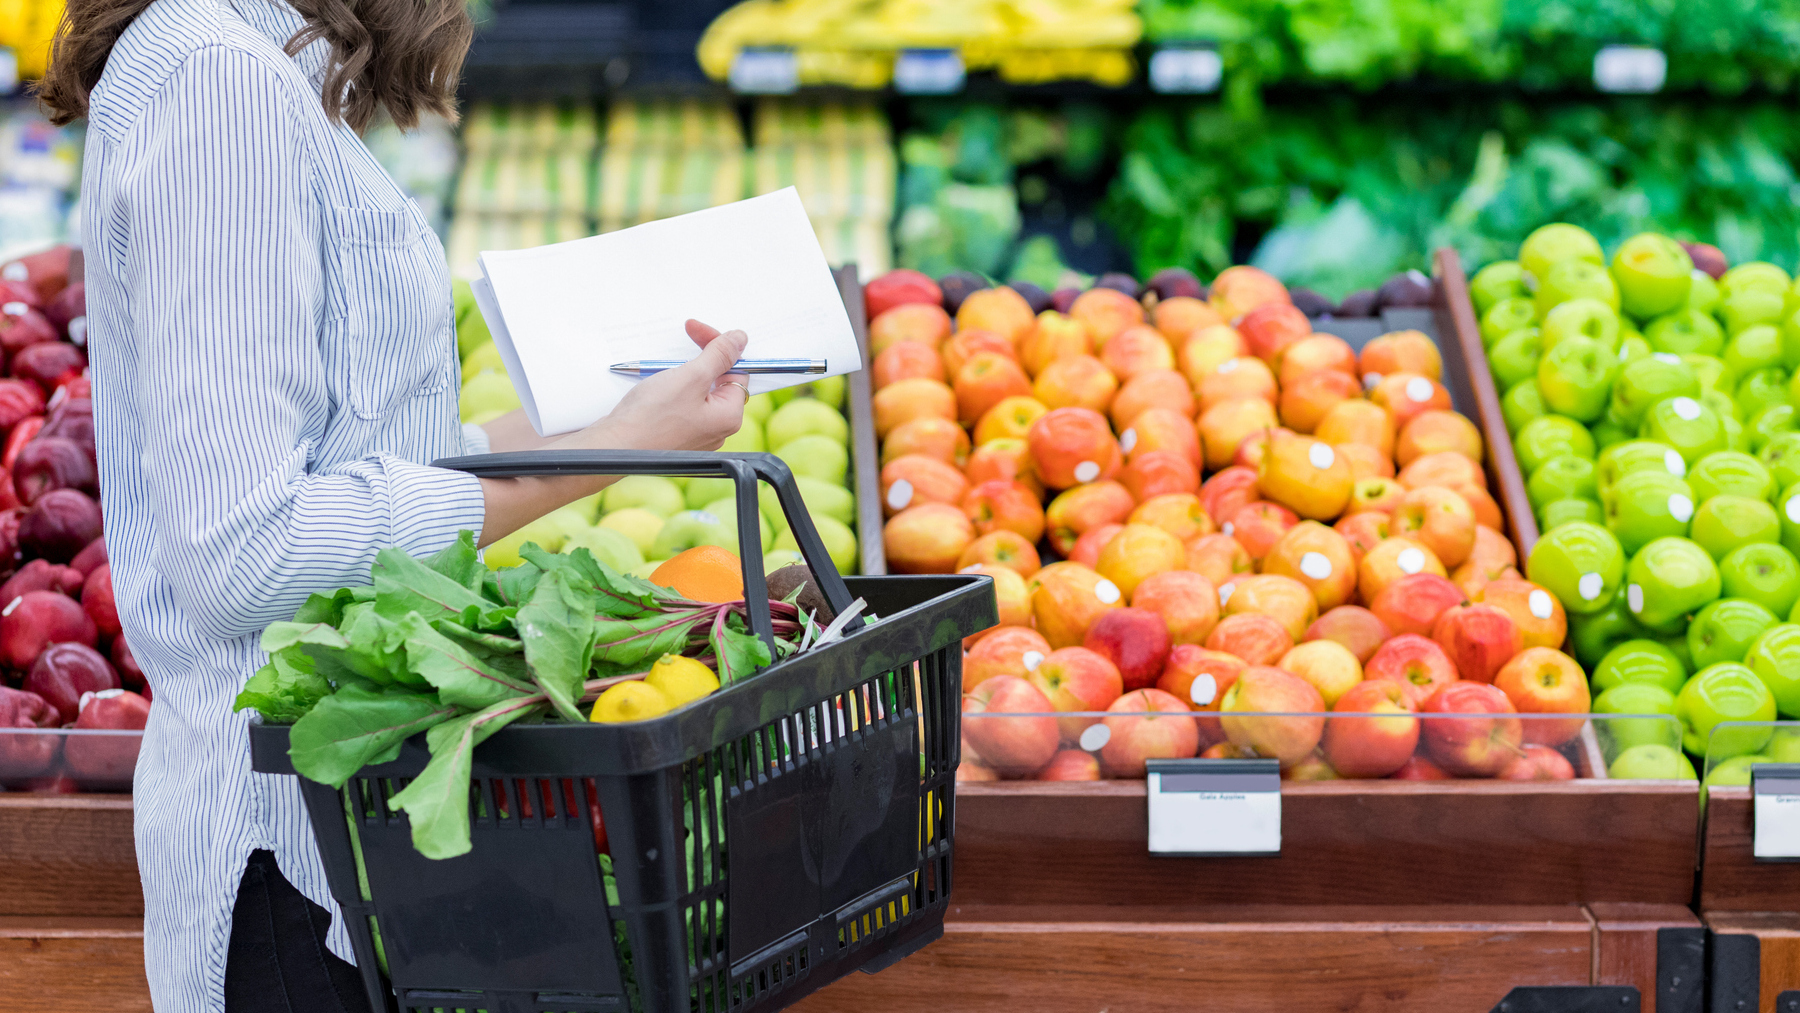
(1214, 808)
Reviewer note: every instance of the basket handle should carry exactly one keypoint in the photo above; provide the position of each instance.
(743, 469)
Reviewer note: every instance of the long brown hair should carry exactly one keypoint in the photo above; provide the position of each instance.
(401, 56)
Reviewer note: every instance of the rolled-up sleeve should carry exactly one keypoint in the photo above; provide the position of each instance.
(228, 303)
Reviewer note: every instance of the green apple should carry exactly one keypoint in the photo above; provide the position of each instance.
(1711, 372)
(1576, 378)
(1788, 506)
(816, 456)
(1763, 388)
(1724, 407)
(645, 492)
(1735, 772)
(1636, 455)
(1576, 279)
(1515, 356)
(747, 440)
(805, 416)
(827, 499)
(486, 396)
(726, 511)
(1583, 318)
(1561, 477)
(1636, 698)
(485, 359)
(1722, 693)
(840, 542)
(648, 570)
(1742, 311)
(1685, 331)
(1505, 317)
(775, 559)
(1497, 282)
(1594, 634)
(1730, 473)
(1643, 382)
(1790, 338)
(1651, 762)
(770, 505)
(471, 327)
(1725, 522)
(1609, 431)
(1775, 658)
(1557, 512)
(1678, 644)
(1581, 564)
(1689, 426)
(1521, 404)
(1771, 422)
(1550, 436)
(829, 389)
(1704, 295)
(1785, 746)
(1557, 242)
(1632, 347)
(1647, 505)
(1640, 661)
(701, 491)
(759, 407)
(1782, 457)
(1654, 274)
(690, 528)
(1725, 629)
(1667, 580)
(1736, 437)
(613, 548)
(1754, 275)
(637, 524)
(1753, 348)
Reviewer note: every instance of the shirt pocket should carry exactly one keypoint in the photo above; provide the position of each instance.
(392, 309)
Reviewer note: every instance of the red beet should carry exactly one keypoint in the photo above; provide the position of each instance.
(19, 400)
(61, 523)
(97, 601)
(35, 620)
(49, 463)
(48, 364)
(22, 327)
(41, 575)
(91, 557)
(126, 664)
(46, 272)
(65, 671)
(69, 305)
(16, 438)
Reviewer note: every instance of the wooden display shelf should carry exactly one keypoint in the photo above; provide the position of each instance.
(1755, 961)
(68, 855)
(1752, 908)
(1731, 879)
(73, 965)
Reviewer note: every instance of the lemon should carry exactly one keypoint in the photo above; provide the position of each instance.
(681, 680)
(629, 701)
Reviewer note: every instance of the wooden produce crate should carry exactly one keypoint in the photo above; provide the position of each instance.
(1752, 909)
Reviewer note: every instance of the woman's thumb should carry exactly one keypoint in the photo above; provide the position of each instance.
(721, 354)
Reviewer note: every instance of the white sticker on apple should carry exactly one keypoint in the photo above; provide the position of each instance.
(1203, 690)
(1793, 509)
(1419, 389)
(1321, 456)
(1589, 586)
(1032, 660)
(704, 517)
(1680, 507)
(1228, 366)
(1315, 565)
(1624, 353)
(1228, 528)
(899, 495)
(1127, 440)
(1224, 596)
(1410, 560)
(1106, 591)
(1540, 604)
(1095, 737)
(78, 330)
(1634, 599)
(971, 568)
(16, 271)
(8, 610)
(1371, 381)
(1087, 471)
(1686, 408)
(1669, 357)
(14, 309)
(1673, 462)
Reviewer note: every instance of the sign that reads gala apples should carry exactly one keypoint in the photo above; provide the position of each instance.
(1214, 808)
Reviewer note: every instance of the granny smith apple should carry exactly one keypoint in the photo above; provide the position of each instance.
(1651, 762)
(1636, 698)
(1686, 331)
(747, 440)
(1775, 658)
(1609, 432)
(613, 548)
(1505, 317)
(637, 524)
(1581, 564)
(816, 456)
(1754, 275)
(1592, 635)
(1785, 746)
(1640, 660)
(691, 528)
(1763, 573)
(1501, 280)
(1761, 388)
(804, 416)
(648, 570)
(1782, 457)
(1515, 357)
(701, 491)
(829, 389)
(1704, 295)
(1576, 279)
(1557, 512)
(1732, 473)
(1581, 318)
(1521, 404)
(1667, 580)
(1722, 405)
(1790, 339)
(1725, 692)
(1736, 437)
(1563, 477)
(1633, 347)
(644, 492)
(759, 407)
(1723, 523)
(1576, 378)
(1711, 372)
(1643, 382)
(1636, 455)
(1556, 242)
(826, 499)
(1755, 308)
(1654, 274)
(840, 542)
(1550, 436)
(1753, 348)
(1647, 505)
(1788, 506)
(770, 505)
(1678, 645)
(1725, 629)
(1735, 772)
(726, 511)
(1771, 422)
(1689, 426)
(775, 559)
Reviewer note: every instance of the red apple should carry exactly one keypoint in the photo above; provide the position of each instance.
(37, 619)
(1545, 681)
(1009, 650)
(24, 756)
(1134, 639)
(1147, 724)
(1538, 763)
(1070, 765)
(1247, 714)
(1354, 627)
(1413, 603)
(97, 601)
(106, 760)
(89, 558)
(127, 666)
(63, 672)
(1420, 769)
(1478, 639)
(1415, 662)
(1076, 679)
(1252, 636)
(1471, 746)
(1012, 746)
(1372, 746)
(41, 575)
(1201, 677)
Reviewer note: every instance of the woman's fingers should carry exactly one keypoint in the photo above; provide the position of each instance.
(719, 355)
(701, 333)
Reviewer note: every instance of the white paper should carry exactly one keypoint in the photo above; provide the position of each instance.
(562, 314)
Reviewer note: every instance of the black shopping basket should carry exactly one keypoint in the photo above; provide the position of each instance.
(764, 841)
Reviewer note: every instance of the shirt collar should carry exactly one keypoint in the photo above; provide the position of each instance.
(278, 21)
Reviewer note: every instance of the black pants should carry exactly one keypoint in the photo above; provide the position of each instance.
(277, 961)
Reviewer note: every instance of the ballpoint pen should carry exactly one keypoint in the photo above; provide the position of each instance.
(644, 367)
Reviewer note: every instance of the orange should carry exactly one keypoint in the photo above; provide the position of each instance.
(703, 573)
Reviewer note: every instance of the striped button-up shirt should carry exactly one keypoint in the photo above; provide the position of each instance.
(274, 364)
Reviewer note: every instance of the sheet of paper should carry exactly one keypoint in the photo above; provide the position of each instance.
(562, 314)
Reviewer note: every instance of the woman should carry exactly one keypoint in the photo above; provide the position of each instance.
(273, 362)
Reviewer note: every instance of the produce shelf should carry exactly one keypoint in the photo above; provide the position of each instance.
(73, 964)
(68, 856)
(865, 455)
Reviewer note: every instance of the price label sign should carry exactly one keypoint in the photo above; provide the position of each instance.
(1186, 70)
(1775, 794)
(1214, 808)
(928, 72)
(765, 70)
(1630, 70)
